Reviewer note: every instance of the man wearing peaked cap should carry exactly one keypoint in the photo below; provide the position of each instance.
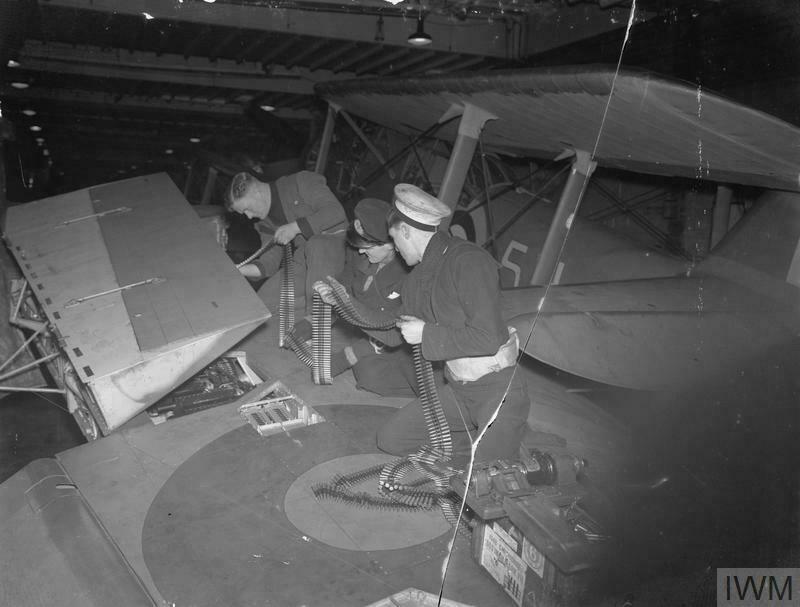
(451, 307)
(418, 208)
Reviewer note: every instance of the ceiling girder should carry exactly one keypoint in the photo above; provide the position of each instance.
(368, 52)
(134, 126)
(310, 50)
(472, 37)
(195, 71)
(411, 61)
(464, 63)
(380, 61)
(93, 54)
(256, 43)
(200, 41)
(440, 62)
(177, 103)
(223, 43)
(329, 58)
(277, 50)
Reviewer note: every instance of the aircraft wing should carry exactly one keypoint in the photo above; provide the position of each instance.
(650, 124)
(139, 293)
(650, 334)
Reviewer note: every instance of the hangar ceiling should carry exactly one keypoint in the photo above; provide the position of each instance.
(124, 87)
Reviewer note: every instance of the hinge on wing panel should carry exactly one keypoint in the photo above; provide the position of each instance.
(93, 215)
(150, 281)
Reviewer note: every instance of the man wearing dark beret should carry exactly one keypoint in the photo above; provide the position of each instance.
(372, 276)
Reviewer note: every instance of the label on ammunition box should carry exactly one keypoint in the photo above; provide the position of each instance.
(533, 557)
(503, 564)
(506, 537)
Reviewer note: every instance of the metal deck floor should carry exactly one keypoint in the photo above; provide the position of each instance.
(195, 508)
(125, 476)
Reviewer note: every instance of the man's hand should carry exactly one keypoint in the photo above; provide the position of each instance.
(250, 270)
(325, 292)
(411, 327)
(286, 233)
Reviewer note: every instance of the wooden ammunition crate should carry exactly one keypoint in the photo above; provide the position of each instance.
(540, 563)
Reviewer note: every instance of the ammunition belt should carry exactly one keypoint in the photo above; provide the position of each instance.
(286, 297)
(321, 338)
(369, 319)
(432, 487)
(318, 358)
(261, 250)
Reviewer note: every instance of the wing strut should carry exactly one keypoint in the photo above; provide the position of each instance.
(472, 121)
(722, 214)
(582, 168)
(370, 146)
(327, 137)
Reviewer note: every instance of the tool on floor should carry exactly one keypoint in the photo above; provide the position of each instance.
(271, 408)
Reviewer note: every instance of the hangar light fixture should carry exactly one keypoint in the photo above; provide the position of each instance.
(29, 112)
(267, 108)
(36, 128)
(194, 139)
(20, 85)
(13, 63)
(168, 151)
(420, 38)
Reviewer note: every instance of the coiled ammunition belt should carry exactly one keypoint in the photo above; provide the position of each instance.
(318, 357)
(432, 487)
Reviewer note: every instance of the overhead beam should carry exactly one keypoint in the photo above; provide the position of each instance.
(148, 67)
(472, 37)
(61, 52)
(139, 102)
(125, 135)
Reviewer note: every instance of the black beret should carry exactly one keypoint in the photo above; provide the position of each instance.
(371, 214)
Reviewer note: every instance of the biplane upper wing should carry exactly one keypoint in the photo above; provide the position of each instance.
(650, 333)
(649, 124)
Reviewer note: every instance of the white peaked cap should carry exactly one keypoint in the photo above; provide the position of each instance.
(419, 206)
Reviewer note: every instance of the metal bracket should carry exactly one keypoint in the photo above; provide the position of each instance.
(92, 216)
(149, 281)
